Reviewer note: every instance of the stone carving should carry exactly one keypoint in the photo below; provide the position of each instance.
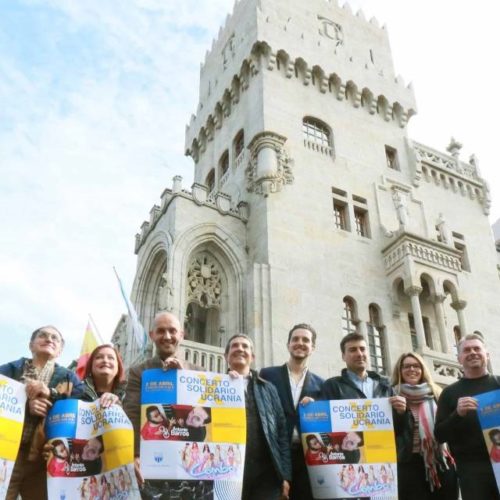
(401, 209)
(228, 51)
(454, 148)
(270, 167)
(331, 30)
(204, 281)
(165, 294)
(445, 235)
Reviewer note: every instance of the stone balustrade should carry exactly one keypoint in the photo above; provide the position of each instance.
(207, 356)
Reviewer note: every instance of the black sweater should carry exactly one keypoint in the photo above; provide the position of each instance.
(463, 434)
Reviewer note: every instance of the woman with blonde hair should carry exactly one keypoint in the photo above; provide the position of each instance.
(426, 470)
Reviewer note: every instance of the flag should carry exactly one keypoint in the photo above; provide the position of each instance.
(137, 328)
(89, 343)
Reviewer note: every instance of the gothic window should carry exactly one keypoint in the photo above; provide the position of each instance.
(457, 335)
(349, 319)
(224, 163)
(210, 180)
(391, 156)
(239, 143)
(376, 344)
(204, 295)
(316, 132)
(413, 332)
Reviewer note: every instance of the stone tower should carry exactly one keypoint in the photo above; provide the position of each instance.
(311, 204)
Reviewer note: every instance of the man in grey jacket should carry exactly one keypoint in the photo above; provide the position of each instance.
(167, 335)
(268, 467)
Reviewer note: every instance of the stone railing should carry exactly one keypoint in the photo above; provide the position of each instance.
(216, 200)
(209, 357)
(241, 159)
(445, 162)
(314, 146)
(224, 178)
(422, 250)
(444, 368)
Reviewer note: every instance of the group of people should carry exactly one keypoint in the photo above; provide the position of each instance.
(438, 436)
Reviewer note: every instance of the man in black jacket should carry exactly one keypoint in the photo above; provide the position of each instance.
(268, 468)
(356, 382)
(294, 381)
(457, 422)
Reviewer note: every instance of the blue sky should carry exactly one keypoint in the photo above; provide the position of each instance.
(94, 99)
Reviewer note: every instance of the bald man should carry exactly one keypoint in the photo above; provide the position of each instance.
(166, 335)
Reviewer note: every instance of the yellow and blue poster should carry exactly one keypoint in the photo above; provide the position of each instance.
(489, 418)
(12, 406)
(193, 430)
(349, 449)
(92, 452)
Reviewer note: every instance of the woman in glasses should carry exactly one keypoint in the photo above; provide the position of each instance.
(45, 383)
(426, 469)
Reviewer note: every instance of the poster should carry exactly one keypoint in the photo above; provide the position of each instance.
(92, 452)
(489, 418)
(193, 430)
(349, 449)
(12, 406)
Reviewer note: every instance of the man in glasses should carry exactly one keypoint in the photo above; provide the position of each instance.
(45, 383)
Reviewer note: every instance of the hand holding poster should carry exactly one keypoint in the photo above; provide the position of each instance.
(92, 452)
(489, 418)
(349, 448)
(193, 428)
(12, 405)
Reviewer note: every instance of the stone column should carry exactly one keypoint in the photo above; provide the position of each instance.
(361, 327)
(459, 306)
(413, 292)
(438, 300)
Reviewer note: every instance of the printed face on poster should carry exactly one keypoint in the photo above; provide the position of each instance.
(92, 452)
(349, 448)
(193, 428)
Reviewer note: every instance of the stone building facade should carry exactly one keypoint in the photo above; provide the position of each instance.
(310, 203)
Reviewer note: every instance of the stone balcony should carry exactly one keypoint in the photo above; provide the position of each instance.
(421, 250)
(209, 357)
(444, 368)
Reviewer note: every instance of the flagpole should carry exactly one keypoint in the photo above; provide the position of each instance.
(95, 328)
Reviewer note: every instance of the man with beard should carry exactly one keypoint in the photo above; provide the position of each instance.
(457, 421)
(294, 381)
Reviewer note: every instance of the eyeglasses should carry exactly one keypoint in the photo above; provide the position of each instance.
(53, 337)
(415, 367)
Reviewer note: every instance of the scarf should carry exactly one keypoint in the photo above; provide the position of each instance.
(31, 372)
(435, 455)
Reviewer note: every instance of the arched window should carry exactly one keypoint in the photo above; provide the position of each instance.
(376, 339)
(239, 143)
(316, 132)
(210, 180)
(223, 163)
(349, 319)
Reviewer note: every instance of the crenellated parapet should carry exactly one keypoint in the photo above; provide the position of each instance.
(199, 195)
(368, 96)
(449, 172)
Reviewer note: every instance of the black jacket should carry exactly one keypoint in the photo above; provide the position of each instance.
(90, 393)
(342, 387)
(278, 376)
(274, 425)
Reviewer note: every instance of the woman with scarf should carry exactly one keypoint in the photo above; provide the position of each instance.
(426, 470)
